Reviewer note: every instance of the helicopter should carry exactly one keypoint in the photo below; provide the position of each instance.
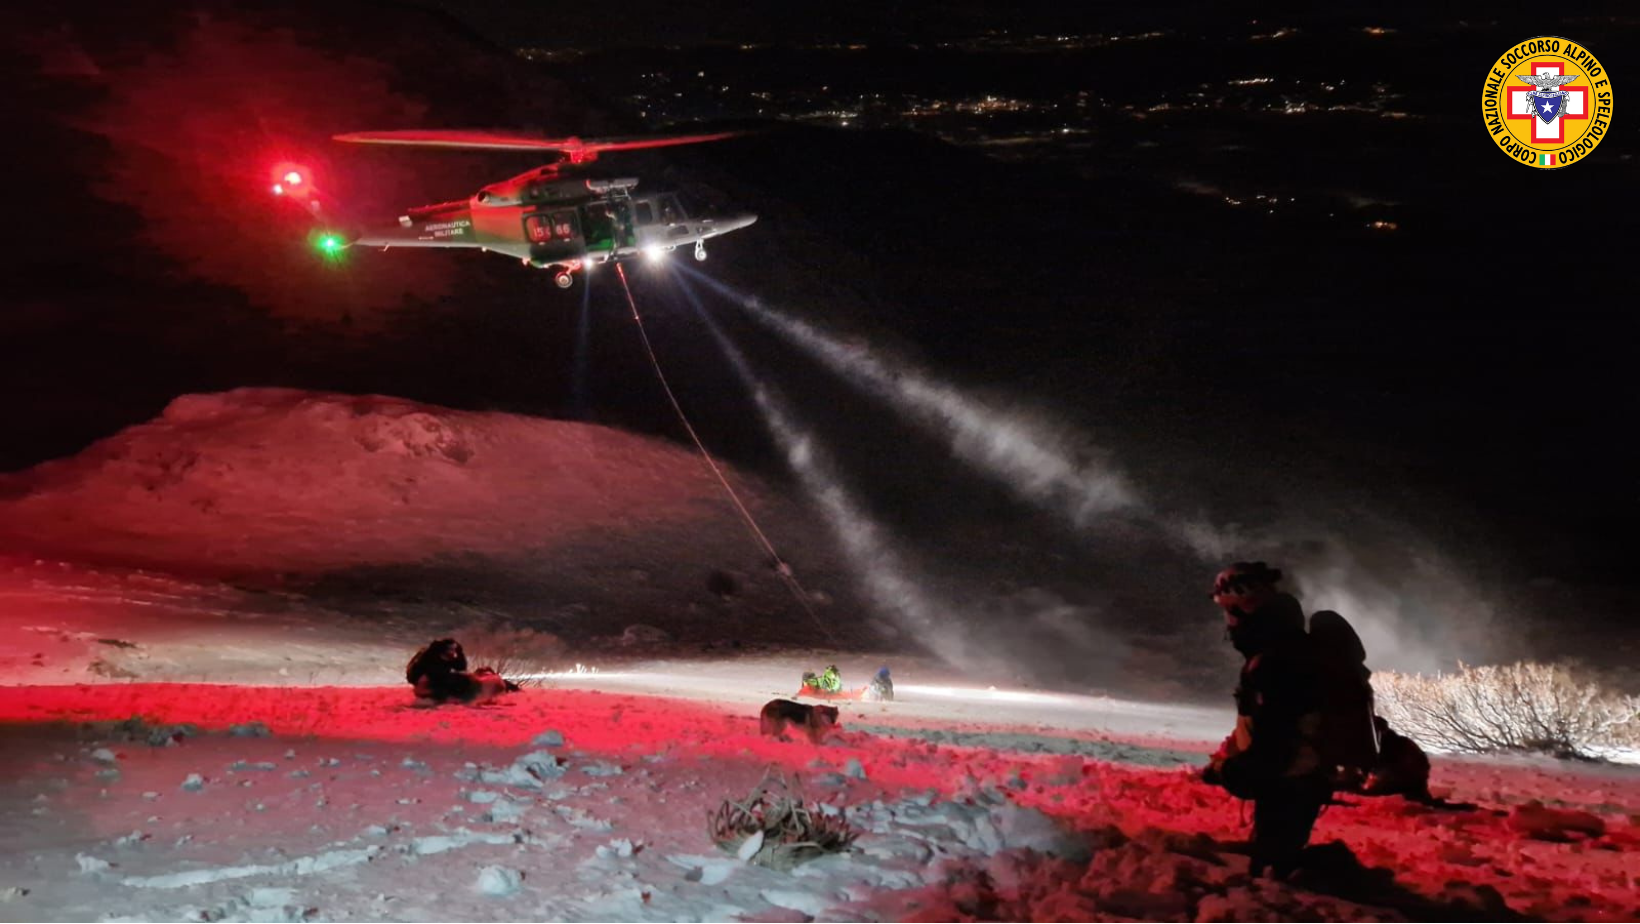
(545, 217)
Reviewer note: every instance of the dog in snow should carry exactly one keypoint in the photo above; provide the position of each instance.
(780, 714)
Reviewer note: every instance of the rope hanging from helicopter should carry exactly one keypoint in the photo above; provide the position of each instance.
(781, 568)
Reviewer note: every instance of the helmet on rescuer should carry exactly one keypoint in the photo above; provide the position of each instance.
(1245, 585)
(1256, 614)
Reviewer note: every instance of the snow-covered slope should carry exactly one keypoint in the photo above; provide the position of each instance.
(258, 480)
(395, 512)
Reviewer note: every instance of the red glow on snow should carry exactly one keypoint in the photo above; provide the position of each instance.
(1160, 818)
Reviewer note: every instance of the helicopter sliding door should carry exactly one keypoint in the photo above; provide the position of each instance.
(554, 235)
(609, 227)
(600, 228)
(662, 222)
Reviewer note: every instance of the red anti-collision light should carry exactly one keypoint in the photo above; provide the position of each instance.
(291, 179)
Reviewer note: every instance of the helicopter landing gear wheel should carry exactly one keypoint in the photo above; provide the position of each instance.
(700, 251)
(563, 279)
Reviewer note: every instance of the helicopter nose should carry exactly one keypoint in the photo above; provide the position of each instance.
(732, 223)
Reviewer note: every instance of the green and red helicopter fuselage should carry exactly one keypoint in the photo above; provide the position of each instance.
(540, 217)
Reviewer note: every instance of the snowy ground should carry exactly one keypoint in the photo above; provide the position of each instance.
(321, 793)
(253, 610)
(286, 803)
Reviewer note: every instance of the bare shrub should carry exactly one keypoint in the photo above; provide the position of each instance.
(1526, 706)
(518, 653)
(774, 827)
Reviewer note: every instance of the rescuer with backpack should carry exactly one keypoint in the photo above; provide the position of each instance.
(1304, 718)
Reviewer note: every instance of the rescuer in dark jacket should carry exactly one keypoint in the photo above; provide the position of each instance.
(439, 671)
(439, 674)
(1272, 757)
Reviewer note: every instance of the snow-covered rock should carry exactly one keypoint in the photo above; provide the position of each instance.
(240, 766)
(528, 771)
(439, 843)
(750, 846)
(706, 870)
(619, 847)
(581, 818)
(504, 811)
(497, 881)
(805, 902)
(1030, 828)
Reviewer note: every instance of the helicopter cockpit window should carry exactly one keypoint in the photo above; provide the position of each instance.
(671, 209)
(644, 211)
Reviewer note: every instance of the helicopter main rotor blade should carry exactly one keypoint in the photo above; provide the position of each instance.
(502, 141)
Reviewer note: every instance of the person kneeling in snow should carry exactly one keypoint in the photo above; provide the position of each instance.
(827, 685)
(830, 680)
(1272, 756)
(880, 689)
(438, 672)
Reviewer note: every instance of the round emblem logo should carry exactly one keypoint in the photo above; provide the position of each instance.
(1547, 102)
